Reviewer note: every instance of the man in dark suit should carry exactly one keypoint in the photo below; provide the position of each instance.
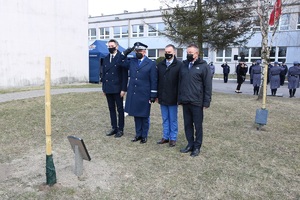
(142, 89)
(114, 86)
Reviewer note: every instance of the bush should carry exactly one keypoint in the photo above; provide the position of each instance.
(159, 59)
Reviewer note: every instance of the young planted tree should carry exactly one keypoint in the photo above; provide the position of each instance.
(215, 23)
(267, 20)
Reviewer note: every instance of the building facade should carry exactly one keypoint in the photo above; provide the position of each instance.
(130, 27)
(32, 30)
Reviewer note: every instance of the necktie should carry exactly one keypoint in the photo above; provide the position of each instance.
(168, 63)
(111, 57)
(139, 62)
(190, 65)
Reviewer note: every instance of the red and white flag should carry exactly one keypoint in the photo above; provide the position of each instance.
(276, 12)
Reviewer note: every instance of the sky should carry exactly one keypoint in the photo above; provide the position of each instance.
(108, 7)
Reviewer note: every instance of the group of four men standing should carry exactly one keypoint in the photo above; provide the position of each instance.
(170, 83)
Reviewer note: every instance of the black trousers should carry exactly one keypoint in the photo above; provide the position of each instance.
(240, 81)
(282, 79)
(115, 101)
(193, 119)
(225, 75)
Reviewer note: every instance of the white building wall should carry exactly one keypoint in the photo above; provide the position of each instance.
(34, 29)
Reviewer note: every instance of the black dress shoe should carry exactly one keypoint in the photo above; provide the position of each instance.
(172, 143)
(186, 149)
(135, 139)
(111, 132)
(195, 152)
(162, 141)
(119, 134)
(143, 140)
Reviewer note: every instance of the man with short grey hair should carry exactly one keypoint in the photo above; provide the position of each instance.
(195, 90)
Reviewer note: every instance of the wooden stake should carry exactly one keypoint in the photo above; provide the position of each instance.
(48, 105)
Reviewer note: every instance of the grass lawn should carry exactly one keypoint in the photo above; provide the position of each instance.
(236, 160)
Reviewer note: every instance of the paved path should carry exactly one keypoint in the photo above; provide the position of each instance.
(38, 93)
(218, 86)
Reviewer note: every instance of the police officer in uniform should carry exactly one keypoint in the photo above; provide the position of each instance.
(250, 72)
(283, 73)
(274, 74)
(114, 86)
(226, 71)
(293, 78)
(256, 76)
(142, 89)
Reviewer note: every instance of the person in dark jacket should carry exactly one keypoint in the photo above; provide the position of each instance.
(274, 74)
(226, 71)
(293, 78)
(168, 78)
(195, 90)
(241, 71)
(283, 73)
(256, 77)
(114, 86)
(142, 89)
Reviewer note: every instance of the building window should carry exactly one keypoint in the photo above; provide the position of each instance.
(284, 22)
(298, 24)
(152, 53)
(120, 31)
(92, 34)
(276, 54)
(244, 51)
(156, 53)
(179, 54)
(205, 53)
(137, 30)
(104, 33)
(256, 27)
(250, 54)
(224, 55)
(156, 29)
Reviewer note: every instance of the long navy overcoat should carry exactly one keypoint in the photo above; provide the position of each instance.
(141, 87)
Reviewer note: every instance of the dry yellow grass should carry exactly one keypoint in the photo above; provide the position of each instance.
(236, 161)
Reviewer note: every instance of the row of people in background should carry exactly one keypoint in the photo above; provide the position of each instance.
(282, 76)
(276, 76)
(169, 83)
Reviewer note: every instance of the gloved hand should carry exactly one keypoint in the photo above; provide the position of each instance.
(152, 99)
(128, 51)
